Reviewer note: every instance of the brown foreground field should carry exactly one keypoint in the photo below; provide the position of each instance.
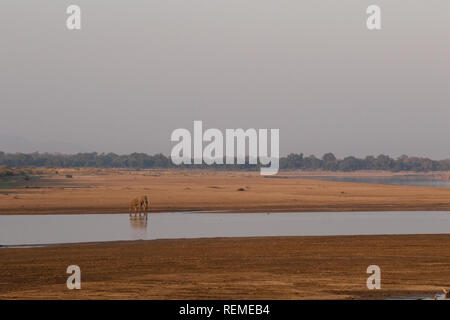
(109, 191)
(232, 268)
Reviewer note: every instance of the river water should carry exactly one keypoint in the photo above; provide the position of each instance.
(400, 180)
(20, 230)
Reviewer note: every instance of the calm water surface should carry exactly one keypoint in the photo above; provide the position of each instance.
(407, 180)
(51, 229)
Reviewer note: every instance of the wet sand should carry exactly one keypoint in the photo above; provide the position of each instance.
(110, 190)
(232, 268)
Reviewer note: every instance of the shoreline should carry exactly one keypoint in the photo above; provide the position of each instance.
(96, 192)
(229, 211)
(130, 242)
(232, 268)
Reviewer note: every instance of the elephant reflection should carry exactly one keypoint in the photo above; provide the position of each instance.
(139, 221)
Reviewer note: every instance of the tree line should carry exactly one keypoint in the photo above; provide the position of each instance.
(327, 162)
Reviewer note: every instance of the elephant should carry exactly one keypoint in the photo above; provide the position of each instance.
(139, 205)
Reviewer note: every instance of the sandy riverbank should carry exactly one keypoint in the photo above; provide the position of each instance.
(110, 190)
(232, 268)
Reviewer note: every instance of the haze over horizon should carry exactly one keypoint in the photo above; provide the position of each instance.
(134, 73)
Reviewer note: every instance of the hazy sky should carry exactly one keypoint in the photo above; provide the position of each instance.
(140, 69)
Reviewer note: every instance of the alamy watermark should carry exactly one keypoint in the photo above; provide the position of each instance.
(374, 281)
(74, 280)
(235, 147)
(373, 22)
(73, 21)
